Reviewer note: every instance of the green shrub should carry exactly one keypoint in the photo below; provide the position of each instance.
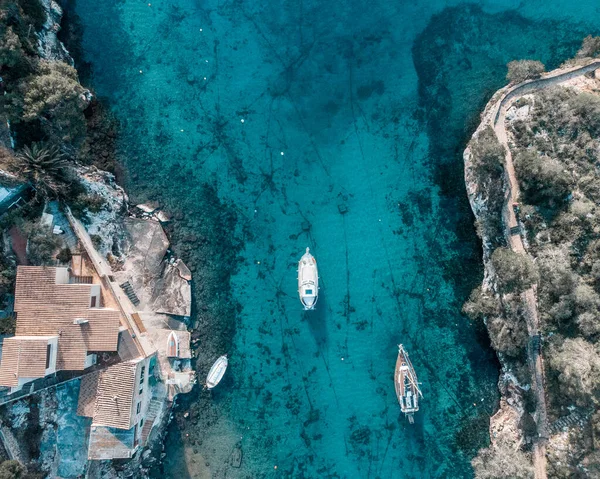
(64, 255)
(542, 179)
(587, 107)
(481, 304)
(11, 50)
(488, 153)
(53, 96)
(508, 334)
(12, 470)
(521, 70)
(515, 272)
(41, 244)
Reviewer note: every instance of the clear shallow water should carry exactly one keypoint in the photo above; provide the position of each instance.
(343, 106)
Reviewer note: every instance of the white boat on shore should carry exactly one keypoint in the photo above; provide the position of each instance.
(308, 280)
(216, 372)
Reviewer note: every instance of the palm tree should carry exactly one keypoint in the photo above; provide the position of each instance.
(45, 166)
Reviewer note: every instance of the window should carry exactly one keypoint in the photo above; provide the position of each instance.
(48, 354)
(141, 423)
(139, 407)
(141, 389)
(93, 304)
(142, 375)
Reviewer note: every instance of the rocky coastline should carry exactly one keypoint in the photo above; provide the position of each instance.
(131, 237)
(496, 204)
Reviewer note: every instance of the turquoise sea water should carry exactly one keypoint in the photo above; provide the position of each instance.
(268, 127)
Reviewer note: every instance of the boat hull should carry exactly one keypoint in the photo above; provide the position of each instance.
(216, 373)
(308, 280)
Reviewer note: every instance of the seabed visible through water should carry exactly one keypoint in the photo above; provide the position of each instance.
(267, 128)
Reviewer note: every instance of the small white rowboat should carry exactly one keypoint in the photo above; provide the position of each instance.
(216, 372)
(308, 280)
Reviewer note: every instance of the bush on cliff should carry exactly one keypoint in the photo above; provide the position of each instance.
(487, 157)
(508, 333)
(481, 304)
(521, 70)
(488, 153)
(590, 47)
(515, 272)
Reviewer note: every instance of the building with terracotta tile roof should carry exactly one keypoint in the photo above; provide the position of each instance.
(117, 400)
(61, 324)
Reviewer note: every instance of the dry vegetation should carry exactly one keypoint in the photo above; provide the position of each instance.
(556, 149)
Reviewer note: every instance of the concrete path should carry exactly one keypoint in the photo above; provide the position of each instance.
(534, 352)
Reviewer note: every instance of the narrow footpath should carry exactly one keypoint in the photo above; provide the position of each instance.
(529, 297)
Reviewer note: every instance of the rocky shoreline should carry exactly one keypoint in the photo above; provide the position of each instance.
(133, 239)
(508, 425)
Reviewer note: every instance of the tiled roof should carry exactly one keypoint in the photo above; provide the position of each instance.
(22, 358)
(87, 394)
(46, 308)
(114, 397)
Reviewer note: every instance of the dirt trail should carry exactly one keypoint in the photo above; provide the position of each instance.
(534, 352)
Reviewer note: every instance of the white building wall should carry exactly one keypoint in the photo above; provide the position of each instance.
(62, 276)
(53, 341)
(90, 360)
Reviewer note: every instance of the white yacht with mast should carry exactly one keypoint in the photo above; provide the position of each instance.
(308, 280)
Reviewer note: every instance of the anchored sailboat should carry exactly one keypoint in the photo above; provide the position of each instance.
(407, 385)
(216, 372)
(308, 280)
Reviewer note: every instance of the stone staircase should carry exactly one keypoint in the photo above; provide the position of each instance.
(575, 419)
(128, 289)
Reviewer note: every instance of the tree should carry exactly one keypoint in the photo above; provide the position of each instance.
(587, 108)
(488, 153)
(41, 244)
(515, 272)
(586, 299)
(481, 304)
(502, 461)
(54, 96)
(521, 70)
(543, 179)
(590, 47)
(576, 363)
(589, 324)
(11, 470)
(11, 50)
(44, 166)
(508, 334)
(556, 277)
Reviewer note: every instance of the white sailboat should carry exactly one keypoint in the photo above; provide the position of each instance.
(407, 385)
(308, 280)
(216, 372)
